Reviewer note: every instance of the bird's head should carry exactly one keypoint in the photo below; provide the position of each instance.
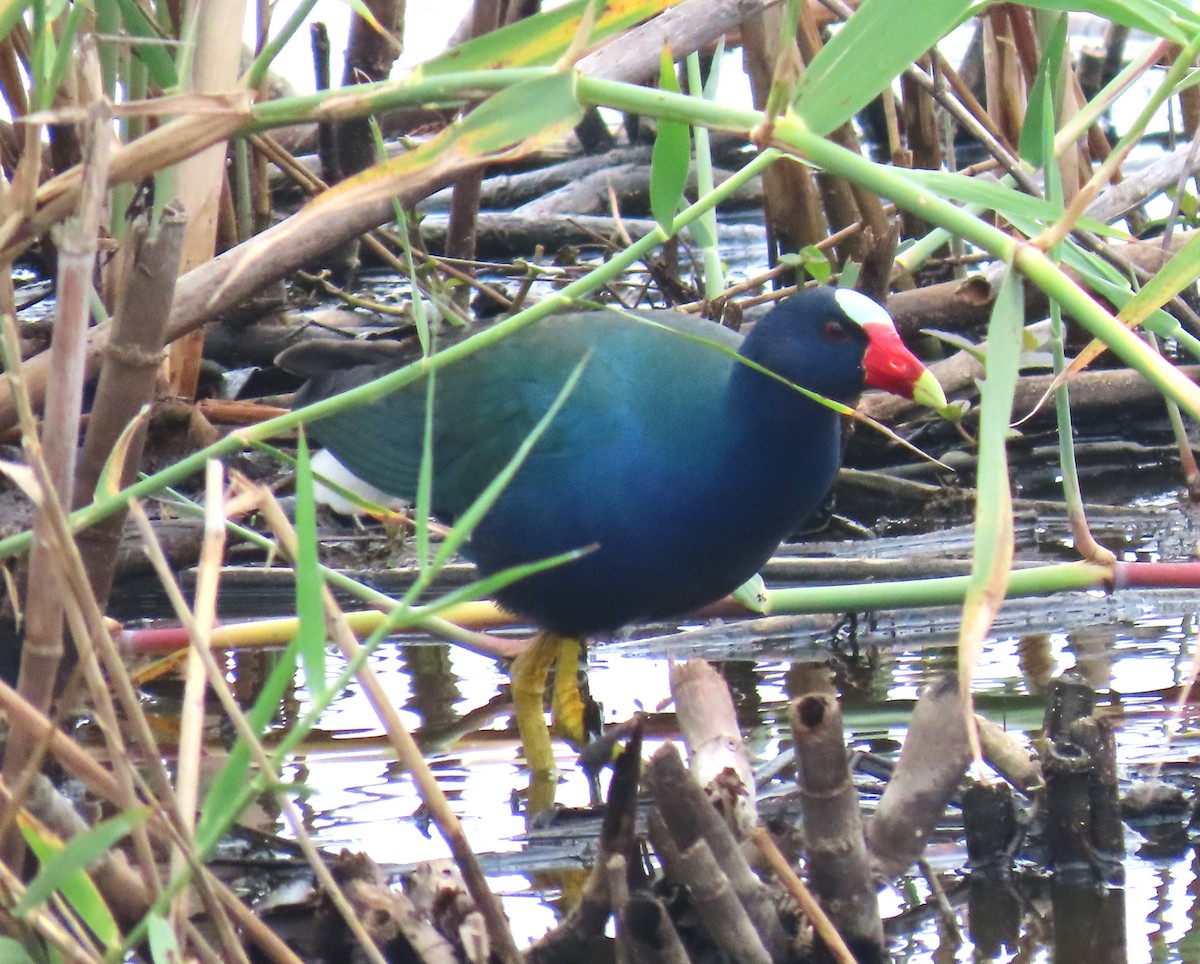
(836, 341)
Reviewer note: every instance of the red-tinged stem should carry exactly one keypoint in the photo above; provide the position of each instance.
(1156, 575)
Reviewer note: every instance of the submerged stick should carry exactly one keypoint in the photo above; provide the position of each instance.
(717, 757)
(839, 869)
(690, 817)
(990, 823)
(931, 766)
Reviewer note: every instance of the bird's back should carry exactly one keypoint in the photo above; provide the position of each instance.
(485, 405)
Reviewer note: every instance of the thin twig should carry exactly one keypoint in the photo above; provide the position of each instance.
(801, 895)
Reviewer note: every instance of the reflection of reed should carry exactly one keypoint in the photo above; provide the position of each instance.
(434, 685)
(248, 670)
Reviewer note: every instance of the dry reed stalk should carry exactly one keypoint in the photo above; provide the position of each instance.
(200, 178)
(191, 723)
(408, 753)
(201, 652)
(791, 204)
(127, 383)
(60, 441)
(42, 647)
(76, 761)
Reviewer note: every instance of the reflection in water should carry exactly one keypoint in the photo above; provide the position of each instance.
(1089, 923)
(434, 686)
(357, 798)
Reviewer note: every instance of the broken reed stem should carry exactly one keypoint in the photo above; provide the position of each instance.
(201, 650)
(409, 755)
(126, 384)
(932, 762)
(765, 844)
(717, 756)
(835, 848)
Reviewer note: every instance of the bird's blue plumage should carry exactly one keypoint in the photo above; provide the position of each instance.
(682, 467)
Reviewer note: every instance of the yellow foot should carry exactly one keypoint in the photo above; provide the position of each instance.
(567, 708)
(528, 673)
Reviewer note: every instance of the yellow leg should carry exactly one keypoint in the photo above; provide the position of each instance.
(528, 673)
(566, 705)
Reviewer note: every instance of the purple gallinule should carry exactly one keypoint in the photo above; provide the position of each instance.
(678, 464)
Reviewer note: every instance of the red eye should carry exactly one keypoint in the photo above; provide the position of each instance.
(834, 331)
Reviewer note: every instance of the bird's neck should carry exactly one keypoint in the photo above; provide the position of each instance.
(785, 450)
(766, 407)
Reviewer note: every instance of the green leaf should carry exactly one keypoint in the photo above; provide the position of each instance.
(955, 340)
(1149, 317)
(535, 111)
(812, 260)
(150, 48)
(1162, 18)
(879, 41)
(10, 13)
(1009, 203)
(1177, 274)
(310, 608)
(108, 483)
(540, 39)
(1038, 128)
(671, 157)
(275, 43)
(65, 48)
(219, 806)
(164, 948)
(362, 10)
(991, 560)
(13, 952)
(63, 869)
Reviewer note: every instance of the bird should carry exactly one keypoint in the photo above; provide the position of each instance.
(683, 455)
